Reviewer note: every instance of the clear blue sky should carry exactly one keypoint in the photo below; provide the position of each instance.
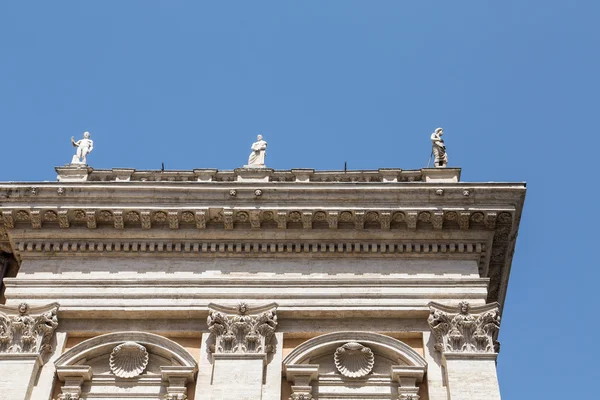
(190, 84)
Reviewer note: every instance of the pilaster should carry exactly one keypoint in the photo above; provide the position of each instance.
(242, 342)
(467, 338)
(25, 341)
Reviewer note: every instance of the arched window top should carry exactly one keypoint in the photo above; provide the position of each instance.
(386, 346)
(104, 344)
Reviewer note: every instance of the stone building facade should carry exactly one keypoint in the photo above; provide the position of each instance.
(254, 284)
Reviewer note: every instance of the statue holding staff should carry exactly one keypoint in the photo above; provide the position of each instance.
(84, 147)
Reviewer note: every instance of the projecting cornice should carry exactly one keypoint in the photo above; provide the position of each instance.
(263, 219)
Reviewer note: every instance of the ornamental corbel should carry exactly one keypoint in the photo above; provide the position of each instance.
(200, 217)
(118, 220)
(465, 329)
(332, 219)
(385, 219)
(173, 219)
(490, 220)
(228, 219)
(359, 220)
(90, 218)
(177, 377)
(301, 376)
(8, 219)
(63, 219)
(282, 219)
(307, 217)
(408, 379)
(145, 219)
(463, 220)
(36, 219)
(73, 378)
(254, 219)
(411, 219)
(437, 219)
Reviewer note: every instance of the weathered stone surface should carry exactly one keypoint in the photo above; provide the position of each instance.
(341, 253)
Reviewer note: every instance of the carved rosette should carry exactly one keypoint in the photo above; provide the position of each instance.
(354, 360)
(465, 329)
(240, 330)
(23, 330)
(128, 360)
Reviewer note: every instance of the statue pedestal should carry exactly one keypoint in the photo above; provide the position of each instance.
(441, 175)
(73, 173)
(253, 174)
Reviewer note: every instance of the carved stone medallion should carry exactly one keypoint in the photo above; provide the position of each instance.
(354, 360)
(128, 360)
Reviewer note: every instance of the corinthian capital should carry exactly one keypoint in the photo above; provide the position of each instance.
(242, 329)
(27, 330)
(465, 329)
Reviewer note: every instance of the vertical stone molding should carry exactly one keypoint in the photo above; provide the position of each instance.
(242, 341)
(25, 340)
(467, 338)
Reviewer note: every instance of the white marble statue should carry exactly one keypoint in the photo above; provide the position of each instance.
(257, 157)
(84, 147)
(438, 149)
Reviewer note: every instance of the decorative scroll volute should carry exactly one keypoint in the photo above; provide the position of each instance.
(26, 330)
(465, 329)
(242, 330)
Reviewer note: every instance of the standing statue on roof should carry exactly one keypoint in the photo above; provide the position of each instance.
(257, 157)
(438, 149)
(84, 147)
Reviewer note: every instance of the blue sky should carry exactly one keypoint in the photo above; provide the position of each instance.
(191, 84)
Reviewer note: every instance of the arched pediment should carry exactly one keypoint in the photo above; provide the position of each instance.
(104, 344)
(137, 365)
(339, 363)
(386, 346)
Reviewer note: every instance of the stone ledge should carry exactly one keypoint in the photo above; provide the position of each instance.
(77, 173)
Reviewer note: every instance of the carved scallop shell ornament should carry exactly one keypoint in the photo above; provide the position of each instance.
(354, 360)
(128, 360)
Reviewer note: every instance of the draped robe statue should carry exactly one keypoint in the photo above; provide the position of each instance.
(438, 148)
(257, 157)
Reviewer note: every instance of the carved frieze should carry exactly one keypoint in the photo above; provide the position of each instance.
(23, 330)
(465, 329)
(242, 330)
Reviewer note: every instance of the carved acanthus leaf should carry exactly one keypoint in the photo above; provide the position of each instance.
(459, 330)
(22, 332)
(242, 332)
